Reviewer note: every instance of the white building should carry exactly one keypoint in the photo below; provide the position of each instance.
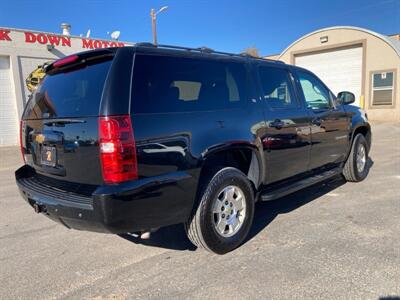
(353, 59)
(22, 51)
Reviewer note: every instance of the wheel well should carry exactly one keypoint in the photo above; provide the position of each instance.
(244, 160)
(365, 131)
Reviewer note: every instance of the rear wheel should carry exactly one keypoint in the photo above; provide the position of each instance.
(224, 215)
(356, 168)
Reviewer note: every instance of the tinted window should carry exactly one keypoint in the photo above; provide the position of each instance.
(276, 87)
(315, 93)
(76, 93)
(175, 84)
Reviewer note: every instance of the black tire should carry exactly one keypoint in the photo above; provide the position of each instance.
(350, 170)
(200, 227)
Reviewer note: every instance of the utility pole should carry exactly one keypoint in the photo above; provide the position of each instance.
(153, 15)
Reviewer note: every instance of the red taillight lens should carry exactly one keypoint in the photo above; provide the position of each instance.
(117, 149)
(21, 136)
(65, 61)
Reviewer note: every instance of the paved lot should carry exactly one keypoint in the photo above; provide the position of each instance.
(336, 241)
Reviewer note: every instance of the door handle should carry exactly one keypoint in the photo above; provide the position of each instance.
(278, 124)
(317, 121)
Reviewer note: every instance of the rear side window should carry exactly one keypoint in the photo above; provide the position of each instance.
(174, 84)
(75, 93)
(277, 88)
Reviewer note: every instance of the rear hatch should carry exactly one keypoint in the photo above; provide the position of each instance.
(59, 128)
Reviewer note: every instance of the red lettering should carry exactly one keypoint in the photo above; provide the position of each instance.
(4, 35)
(97, 44)
(87, 43)
(66, 41)
(54, 40)
(30, 37)
(41, 38)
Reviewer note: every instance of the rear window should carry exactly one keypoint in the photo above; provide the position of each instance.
(176, 84)
(74, 93)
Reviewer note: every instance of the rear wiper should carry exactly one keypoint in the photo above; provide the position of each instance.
(62, 122)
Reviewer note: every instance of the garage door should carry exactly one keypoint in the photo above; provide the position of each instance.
(340, 70)
(9, 128)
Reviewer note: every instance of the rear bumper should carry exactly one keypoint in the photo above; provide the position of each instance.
(132, 206)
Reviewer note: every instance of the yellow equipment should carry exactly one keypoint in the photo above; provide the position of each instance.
(35, 77)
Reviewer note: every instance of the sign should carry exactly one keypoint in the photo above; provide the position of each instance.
(5, 35)
(55, 40)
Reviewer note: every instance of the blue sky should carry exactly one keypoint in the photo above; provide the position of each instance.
(222, 25)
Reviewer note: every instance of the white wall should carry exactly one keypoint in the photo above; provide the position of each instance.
(9, 134)
(26, 50)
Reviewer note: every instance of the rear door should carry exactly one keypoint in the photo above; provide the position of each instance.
(329, 123)
(185, 104)
(60, 122)
(287, 140)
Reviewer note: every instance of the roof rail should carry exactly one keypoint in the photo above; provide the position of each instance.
(199, 49)
(145, 44)
(203, 50)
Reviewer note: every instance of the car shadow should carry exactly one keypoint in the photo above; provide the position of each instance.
(370, 163)
(174, 237)
(266, 212)
(170, 237)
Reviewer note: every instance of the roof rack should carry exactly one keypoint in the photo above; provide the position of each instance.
(203, 50)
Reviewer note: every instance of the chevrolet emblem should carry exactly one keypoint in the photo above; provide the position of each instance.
(40, 138)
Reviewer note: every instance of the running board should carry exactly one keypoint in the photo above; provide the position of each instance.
(299, 185)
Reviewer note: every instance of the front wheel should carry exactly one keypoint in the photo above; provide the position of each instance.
(356, 166)
(224, 215)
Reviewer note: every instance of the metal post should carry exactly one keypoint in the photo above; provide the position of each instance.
(153, 25)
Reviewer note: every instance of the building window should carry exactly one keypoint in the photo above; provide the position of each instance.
(382, 88)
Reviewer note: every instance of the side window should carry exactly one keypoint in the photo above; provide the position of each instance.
(276, 87)
(315, 93)
(175, 84)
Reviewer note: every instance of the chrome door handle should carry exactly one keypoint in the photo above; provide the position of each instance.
(278, 124)
(317, 121)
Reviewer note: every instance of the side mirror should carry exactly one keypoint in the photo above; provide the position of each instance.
(346, 97)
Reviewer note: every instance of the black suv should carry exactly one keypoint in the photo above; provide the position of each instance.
(135, 138)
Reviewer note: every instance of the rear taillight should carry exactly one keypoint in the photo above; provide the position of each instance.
(117, 149)
(21, 136)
